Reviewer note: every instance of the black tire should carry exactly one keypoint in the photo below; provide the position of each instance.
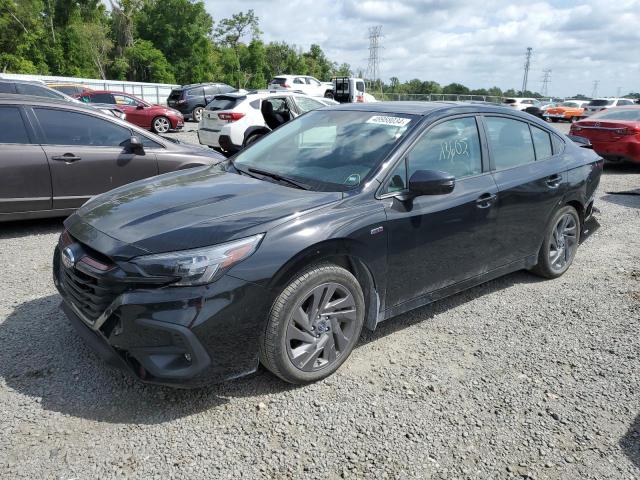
(252, 138)
(196, 115)
(555, 120)
(328, 94)
(546, 267)
(278, 348)
(573, 119)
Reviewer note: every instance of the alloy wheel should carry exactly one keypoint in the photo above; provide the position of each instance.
(563, 242)
(161, 125)
(321, 327)
(197, 114)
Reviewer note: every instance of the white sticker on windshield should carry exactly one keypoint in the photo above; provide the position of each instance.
(387, 120)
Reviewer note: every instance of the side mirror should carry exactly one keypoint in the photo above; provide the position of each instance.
(136, 146)
(431, 182)
(140, 106)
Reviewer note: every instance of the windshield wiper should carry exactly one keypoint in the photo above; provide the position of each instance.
(278, 177)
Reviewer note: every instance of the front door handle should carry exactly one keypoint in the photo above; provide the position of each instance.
(554, 180)
(486, 200)
(67, 157)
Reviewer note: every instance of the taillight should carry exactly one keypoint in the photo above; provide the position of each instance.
(628, 131)
(231, 116)
(286, 85)
(360, 99)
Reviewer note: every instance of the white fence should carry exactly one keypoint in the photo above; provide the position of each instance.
(150, 92)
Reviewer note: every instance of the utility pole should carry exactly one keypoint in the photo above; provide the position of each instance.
(527, 64)
(373, 69)
(546, 79)
(594, 92)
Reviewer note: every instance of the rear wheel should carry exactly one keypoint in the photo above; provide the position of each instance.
(197, 114)
(560, 243)
(161, 125)
(554, 120)
(328, 94)
(574, 119)
(313, 325)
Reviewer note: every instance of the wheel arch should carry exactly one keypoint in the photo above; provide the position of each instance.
(345, 253)
(253, 130)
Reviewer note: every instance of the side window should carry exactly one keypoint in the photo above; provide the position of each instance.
(542, 143)
(558, 144)
(510, 142)
(6, 87)
(452, 146)
(398, 178)
(211, 90)
(125, 100)
(38, 91)
(148, 143)
(195, 92)
(298, 81)
(12, 129)
(101, 98)
(360, 86)
(62, 127)
(306, 104)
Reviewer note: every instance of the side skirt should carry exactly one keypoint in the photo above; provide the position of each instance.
(431, 297)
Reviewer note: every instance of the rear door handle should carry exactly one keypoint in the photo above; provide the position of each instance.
(67, 157)
(554, 180)
(486, 200)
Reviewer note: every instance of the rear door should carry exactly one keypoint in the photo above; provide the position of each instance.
(25, 183)
(88, 155)
(531, 183)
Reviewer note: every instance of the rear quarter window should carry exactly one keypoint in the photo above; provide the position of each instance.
(542, 143)
(510, 142)
(7, 87)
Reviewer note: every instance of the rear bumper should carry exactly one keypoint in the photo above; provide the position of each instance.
(618, 151)
(180, 336)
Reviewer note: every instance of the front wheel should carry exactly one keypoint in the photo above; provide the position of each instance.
(328, 94)
(161, 125)
(313, 325)
(252, 139)
(560, 243)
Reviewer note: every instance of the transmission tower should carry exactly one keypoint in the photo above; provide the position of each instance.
(594, 92)
(546, 79)
(527, 64)
(373, 69)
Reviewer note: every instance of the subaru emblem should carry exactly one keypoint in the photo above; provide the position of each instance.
(68, 259)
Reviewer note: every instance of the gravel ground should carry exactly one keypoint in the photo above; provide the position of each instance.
(517, 378)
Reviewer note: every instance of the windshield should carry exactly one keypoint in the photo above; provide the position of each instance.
(627, 114)
(224, 103)
(332, 150)
(569, 104)
(600, 103)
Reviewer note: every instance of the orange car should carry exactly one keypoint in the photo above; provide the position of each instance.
(570, 110)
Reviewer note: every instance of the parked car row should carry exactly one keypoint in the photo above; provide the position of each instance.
(56, 154)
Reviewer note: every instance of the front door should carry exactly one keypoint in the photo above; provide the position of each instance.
(531, 184)
(25, 184)
(136, 111)
(438, 240)
(88, 155)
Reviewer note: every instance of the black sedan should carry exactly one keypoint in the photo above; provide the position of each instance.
(338, 220)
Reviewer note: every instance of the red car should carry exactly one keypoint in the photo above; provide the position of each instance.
(157, 118)
(614, 133)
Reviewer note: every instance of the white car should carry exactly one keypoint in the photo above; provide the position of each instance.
(302, 83)
(231, 121)
(521, 103)
(599, 104)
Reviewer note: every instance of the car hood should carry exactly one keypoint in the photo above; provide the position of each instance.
(188, 209)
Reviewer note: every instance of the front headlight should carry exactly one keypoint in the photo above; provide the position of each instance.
(198, 266)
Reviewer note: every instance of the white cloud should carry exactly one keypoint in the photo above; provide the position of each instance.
(479, 44)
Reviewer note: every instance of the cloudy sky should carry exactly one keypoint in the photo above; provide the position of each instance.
(478, 43)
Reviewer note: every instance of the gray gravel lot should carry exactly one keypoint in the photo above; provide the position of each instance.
(517, 378)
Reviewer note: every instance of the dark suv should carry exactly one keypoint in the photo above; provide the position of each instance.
(190, 100)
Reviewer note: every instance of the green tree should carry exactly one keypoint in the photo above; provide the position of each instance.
(145, 63)
(180, 29)
(230, 32)
(318, 65)
(455, 88)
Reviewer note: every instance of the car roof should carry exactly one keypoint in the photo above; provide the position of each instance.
(34, 99)
(196, 85)
(30, 82)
